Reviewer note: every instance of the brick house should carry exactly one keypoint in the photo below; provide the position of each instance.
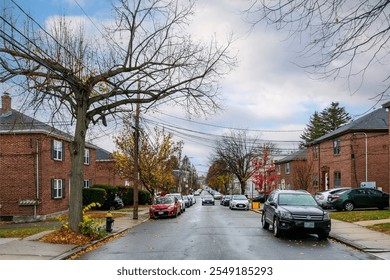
(288, 167)
(353, 154)
(35, 167)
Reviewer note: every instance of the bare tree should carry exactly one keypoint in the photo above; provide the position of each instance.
(143, 56)
(237, 151)
(344, 37)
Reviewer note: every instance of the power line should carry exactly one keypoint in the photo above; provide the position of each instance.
(234, 128)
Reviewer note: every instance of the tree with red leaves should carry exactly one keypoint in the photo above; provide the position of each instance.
(264, 175)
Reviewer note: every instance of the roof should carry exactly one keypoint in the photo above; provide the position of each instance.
(300, 155)
(103, 155)
(17, 123)
(376, 121)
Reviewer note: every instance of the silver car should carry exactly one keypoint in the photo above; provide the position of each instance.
(322, 197)
(180, 198)
(239, 201)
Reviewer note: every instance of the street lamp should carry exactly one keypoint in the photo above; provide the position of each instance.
(365, 136)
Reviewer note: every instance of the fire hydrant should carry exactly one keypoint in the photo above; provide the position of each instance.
(109, 221)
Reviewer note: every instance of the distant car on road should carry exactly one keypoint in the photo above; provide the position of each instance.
(208, 199)
(239, 201)
(217, 195)
(359, 198)
(295, 211)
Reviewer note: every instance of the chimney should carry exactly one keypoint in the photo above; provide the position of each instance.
(6, 104)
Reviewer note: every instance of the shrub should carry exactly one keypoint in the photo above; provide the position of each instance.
(109, 195)
(91, 227)
(94, 195)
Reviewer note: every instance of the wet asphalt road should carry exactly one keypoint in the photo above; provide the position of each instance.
(217, 233)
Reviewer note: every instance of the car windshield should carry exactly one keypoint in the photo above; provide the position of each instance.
(208, 196)
(164, 200)
(297, 200)
(239, 197)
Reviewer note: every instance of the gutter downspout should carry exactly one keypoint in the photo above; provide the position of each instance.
(37, 176)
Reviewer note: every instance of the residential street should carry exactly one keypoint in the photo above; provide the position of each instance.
(217, 233)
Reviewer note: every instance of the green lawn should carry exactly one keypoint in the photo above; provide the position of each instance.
(356, 216)
(20, 232)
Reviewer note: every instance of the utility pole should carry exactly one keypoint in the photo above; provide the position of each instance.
(136, 159)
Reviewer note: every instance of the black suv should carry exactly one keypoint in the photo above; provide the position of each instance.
(289, 210)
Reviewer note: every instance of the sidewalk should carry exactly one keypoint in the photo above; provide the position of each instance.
(30, 248)
(353, 234)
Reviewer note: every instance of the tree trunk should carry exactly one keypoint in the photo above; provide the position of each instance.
(76, 173)
(243, 185)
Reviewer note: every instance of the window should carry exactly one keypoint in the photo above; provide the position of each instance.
(86, 156)
(57, 150)
(57, 188)
(336, 147)
(337, 179)
(315, 152)
(278, 169)
(87, 184)
(287, 168)
(315, 181)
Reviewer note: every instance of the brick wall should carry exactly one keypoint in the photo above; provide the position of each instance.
(18, 174)
(350, 163)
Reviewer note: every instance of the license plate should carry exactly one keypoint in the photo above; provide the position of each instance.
(308, 224)
(160, 213)
(241, 206)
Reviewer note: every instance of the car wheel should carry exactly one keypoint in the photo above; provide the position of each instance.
(323, 235)
(349, 206)
(276, 230)
(264, 224)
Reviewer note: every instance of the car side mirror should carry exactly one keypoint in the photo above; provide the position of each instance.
(272, 203)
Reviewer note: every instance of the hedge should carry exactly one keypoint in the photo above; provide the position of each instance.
(94, 195)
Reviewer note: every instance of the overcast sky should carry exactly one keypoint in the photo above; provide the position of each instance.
(267, 93)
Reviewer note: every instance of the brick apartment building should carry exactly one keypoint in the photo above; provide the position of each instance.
(353, 154)
(35, 166)
(287, 169)
(350, 156)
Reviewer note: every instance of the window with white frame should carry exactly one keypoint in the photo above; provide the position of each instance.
(57, 188)
(87, 184)
(315, 180)
(287, 168)
(86, 156)
(315, 152)
(57, 150)
(336, 146)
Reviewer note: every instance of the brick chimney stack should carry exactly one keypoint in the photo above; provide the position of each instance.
(6, 104)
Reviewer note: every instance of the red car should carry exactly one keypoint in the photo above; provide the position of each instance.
(166, 206)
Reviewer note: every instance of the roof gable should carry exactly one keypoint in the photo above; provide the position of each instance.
(372, 122)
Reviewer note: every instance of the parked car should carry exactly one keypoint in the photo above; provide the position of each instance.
(262, 197)
(113, 203)
(180, 198)
(208, 199)
(295, 211)
(322, 197)
(359, 198)
(187, 202)
(165, 206)
(192, 198)
(226, 200)
(239, 201)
